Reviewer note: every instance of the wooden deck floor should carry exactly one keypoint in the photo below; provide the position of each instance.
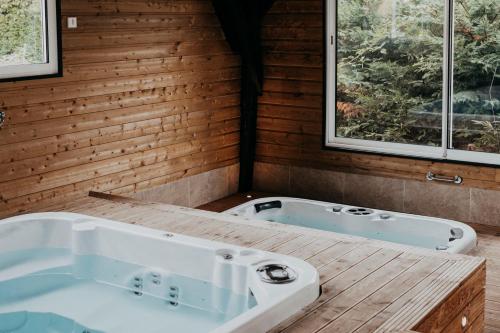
(489, 248)
(367, 286)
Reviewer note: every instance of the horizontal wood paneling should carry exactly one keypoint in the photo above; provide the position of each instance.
(290, 123)
(150, 94)
(134, 7)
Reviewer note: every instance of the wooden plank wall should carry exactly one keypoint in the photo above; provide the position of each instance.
(150, 93)
(290, 122)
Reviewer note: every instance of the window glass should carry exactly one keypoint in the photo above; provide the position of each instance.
(389, 78)
(476, 76)
(22, 27)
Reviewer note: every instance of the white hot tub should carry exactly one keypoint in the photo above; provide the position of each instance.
(70, 273)
(427, 232)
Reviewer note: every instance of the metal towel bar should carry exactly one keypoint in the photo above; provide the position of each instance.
(440, 178)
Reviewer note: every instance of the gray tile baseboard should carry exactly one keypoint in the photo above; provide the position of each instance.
(195, 190)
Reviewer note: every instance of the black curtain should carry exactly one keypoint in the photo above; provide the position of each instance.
(241, 21)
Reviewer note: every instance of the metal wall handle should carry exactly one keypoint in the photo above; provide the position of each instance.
(447, 179)
(2, 118)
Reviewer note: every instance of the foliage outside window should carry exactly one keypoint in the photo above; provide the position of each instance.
(476, 76)
(390, 87)
(28, 41)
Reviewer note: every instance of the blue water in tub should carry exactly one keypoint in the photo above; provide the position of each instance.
(90, 294)
(396, 229)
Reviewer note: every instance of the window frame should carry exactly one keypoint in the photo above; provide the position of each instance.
(439, 153)
(53, 41)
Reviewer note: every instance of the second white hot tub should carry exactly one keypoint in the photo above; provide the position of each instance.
(414, 230)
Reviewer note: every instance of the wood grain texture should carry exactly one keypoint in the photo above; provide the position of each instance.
(368, 286)
(290, 123)
(150, 94)
(489, 247)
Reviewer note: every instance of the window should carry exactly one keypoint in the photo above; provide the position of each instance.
(415, 77)
(29, 41)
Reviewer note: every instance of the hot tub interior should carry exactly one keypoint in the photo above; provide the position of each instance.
(407, 229)
(100, 294)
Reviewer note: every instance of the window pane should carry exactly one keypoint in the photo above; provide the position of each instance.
(476, 100)
(22, 32)
(389, 71)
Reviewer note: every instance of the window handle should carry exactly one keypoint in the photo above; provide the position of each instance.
(447, 179)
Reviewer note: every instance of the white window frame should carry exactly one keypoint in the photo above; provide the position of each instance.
(444, 152)
(52, 66)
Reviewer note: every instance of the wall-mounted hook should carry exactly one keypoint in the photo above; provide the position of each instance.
(2, 118)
